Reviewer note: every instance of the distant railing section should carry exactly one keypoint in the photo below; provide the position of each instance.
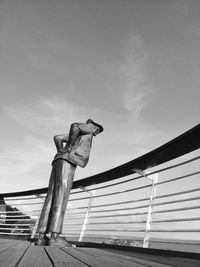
(155, 197)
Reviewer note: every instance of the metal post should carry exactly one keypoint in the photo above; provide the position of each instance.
(2, 211)
(154, 179)
(92, 193)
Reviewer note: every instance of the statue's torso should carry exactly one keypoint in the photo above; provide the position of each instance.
(80, 152)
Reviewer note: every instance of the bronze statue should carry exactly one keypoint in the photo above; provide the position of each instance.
(75, 152)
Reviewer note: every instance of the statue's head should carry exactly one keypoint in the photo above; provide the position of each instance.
(98, 128)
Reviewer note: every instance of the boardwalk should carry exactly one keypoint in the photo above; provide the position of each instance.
(15, 253)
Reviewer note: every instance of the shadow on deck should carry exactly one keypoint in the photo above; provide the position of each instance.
(18, 253)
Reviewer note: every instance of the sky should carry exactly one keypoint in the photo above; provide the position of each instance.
(131, 65)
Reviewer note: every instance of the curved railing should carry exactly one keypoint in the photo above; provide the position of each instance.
(154, 198)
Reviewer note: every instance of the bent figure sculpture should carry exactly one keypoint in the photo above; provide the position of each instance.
(75, 152)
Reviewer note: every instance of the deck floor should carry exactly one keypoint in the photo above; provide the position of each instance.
(14, 253)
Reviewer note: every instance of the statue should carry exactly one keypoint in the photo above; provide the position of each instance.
(75, 152)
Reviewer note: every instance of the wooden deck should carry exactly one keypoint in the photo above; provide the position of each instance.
(14, 253)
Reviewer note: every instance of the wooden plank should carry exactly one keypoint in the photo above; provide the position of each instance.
(61, 259)
(7, 245)
(100, 260)
(3, 241)
(171, 260)
(11, 256)
(35, 256)
(100, 252)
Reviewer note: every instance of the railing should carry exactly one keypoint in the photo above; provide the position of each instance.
(155, 197)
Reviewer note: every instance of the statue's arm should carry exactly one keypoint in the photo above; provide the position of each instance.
(59, 140)
(77, 129)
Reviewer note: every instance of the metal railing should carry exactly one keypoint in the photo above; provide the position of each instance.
(155, 197)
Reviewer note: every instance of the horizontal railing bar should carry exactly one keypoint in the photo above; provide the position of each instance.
(83, 212)
(7, 212)
(145, 206)
(118, 183)
(71, 235)
(32, 212)
(112, 237)
(13, 228)
(23, 204)
(176, 201)
(171, 150)
(119, 215)
(151, 173)
(71, 230)
(175, 165)
(177, 230)
(179, 193)
(120, 203)
(141, 176)
(97, 223)
(122, 209)
(14, 220)
(74, 217)
(81, 198)
(114, 184)
(78, 208)
(2, 233)
(137, 230)
(72, 224)
(23, 198)
(178, 209)
(119, 192)
(178, 178)
(126, 202)
(177, 220)
(16, 224)
(114, 230)
(146, 199)
(16, 216)
(122, 192)
(142, 187)
(115, 193)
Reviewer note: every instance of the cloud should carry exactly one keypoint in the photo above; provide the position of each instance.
(27, 140)
(133, 82)
(26, 145)
(27, 148)
(41, 114)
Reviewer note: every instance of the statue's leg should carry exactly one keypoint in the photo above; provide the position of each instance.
(44, 216)
(63, 183)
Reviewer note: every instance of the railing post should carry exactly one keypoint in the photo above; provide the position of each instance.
(92, 193)
(154, 179)
(2, 211)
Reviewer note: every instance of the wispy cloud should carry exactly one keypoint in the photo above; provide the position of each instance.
(27, 142)
(27, 148)
(133, 82)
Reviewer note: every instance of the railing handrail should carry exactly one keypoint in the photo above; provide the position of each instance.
(183, 144)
